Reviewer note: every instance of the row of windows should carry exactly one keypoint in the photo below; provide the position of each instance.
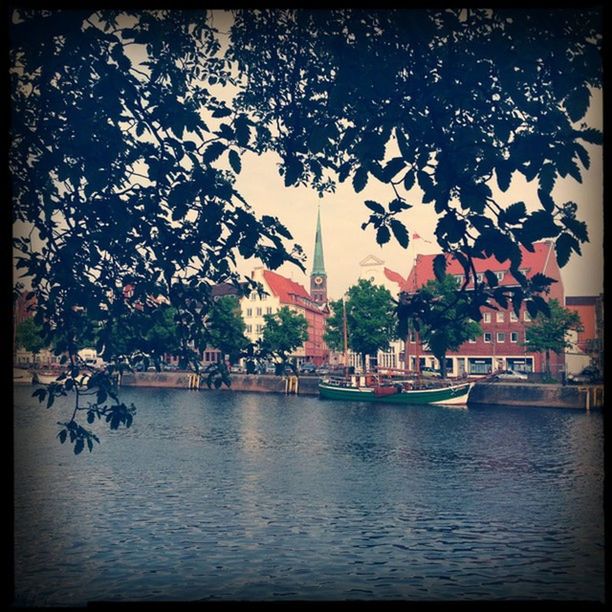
(500, 337)
(258, 311)
(258, 328)
(254, 296)
(481, 277)
(500, 317)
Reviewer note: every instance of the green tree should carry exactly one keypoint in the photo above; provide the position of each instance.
(283, 332)
(226, 327)
(549, 333)
(370, 318)
(445, 325)
(29, 336)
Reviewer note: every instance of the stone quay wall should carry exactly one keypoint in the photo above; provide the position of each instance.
(503, 394)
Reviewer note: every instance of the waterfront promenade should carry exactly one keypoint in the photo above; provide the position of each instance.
(501, 394)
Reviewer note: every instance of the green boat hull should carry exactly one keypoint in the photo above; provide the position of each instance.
(451, 395)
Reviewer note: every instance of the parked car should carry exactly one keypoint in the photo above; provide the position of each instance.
(590, 374)
(510, 375)
(429, 372)
(308, 368)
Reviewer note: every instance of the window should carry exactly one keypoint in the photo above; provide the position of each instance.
(486, 317)
(249, 328)
(258, 311)
(526, 316)
(472, 341)
(253, 297)
(499, 317)
(487, 336)
(500, 276)
(480, 277)
(264, 297)
(412, 337)
(501, 337)
(249, 312)
(269, 310)
(258, 328)
(513, 317)
(513, 336)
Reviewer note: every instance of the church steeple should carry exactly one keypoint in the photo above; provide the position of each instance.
(318, 277)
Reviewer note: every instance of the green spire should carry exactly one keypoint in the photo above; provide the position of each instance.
(318, 264)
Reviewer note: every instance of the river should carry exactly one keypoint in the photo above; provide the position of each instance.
(241, 496)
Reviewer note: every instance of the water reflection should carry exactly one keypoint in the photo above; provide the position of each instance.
(215, 495)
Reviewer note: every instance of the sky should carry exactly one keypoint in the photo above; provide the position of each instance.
(345, 244)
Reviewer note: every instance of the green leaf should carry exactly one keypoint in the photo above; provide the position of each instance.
(383, 235)
(503, 172)
(360, 179)
(400, 232)
(577, 102)
(234, 160)
(375, 206)
(392, 168)
(409, 179)
(293, 171)
(222, 112)
(213, 151)
(439, 266)
(564, 245)
(514, 213)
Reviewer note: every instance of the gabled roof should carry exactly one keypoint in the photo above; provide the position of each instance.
(371, 260)
(532, 263)
(283, 287)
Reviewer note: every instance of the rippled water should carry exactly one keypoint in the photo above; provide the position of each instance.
(214, 495)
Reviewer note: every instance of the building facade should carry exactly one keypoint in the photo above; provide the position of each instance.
(501, 344)
(588, 344)
(280, 291)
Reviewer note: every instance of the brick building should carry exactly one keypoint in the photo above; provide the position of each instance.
(500, 345)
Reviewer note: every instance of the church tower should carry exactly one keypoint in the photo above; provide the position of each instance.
(318, 277)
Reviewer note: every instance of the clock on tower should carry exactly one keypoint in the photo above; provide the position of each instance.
(318, 277)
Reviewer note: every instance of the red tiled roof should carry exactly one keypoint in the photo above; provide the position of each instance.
(283, 287)
(396, 277)
(534, 262)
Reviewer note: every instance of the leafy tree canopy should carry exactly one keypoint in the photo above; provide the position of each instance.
(283, 332)
(370, 320)
(226, 327)
(550, 333)
(445, 325)
(29, 336)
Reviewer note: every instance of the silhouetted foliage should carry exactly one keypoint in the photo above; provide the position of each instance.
(441, 105)
(445, 325)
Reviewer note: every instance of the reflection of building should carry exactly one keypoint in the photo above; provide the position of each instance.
(587, 344)
(500, 345)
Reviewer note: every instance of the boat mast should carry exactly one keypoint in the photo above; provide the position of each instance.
(345, 337)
